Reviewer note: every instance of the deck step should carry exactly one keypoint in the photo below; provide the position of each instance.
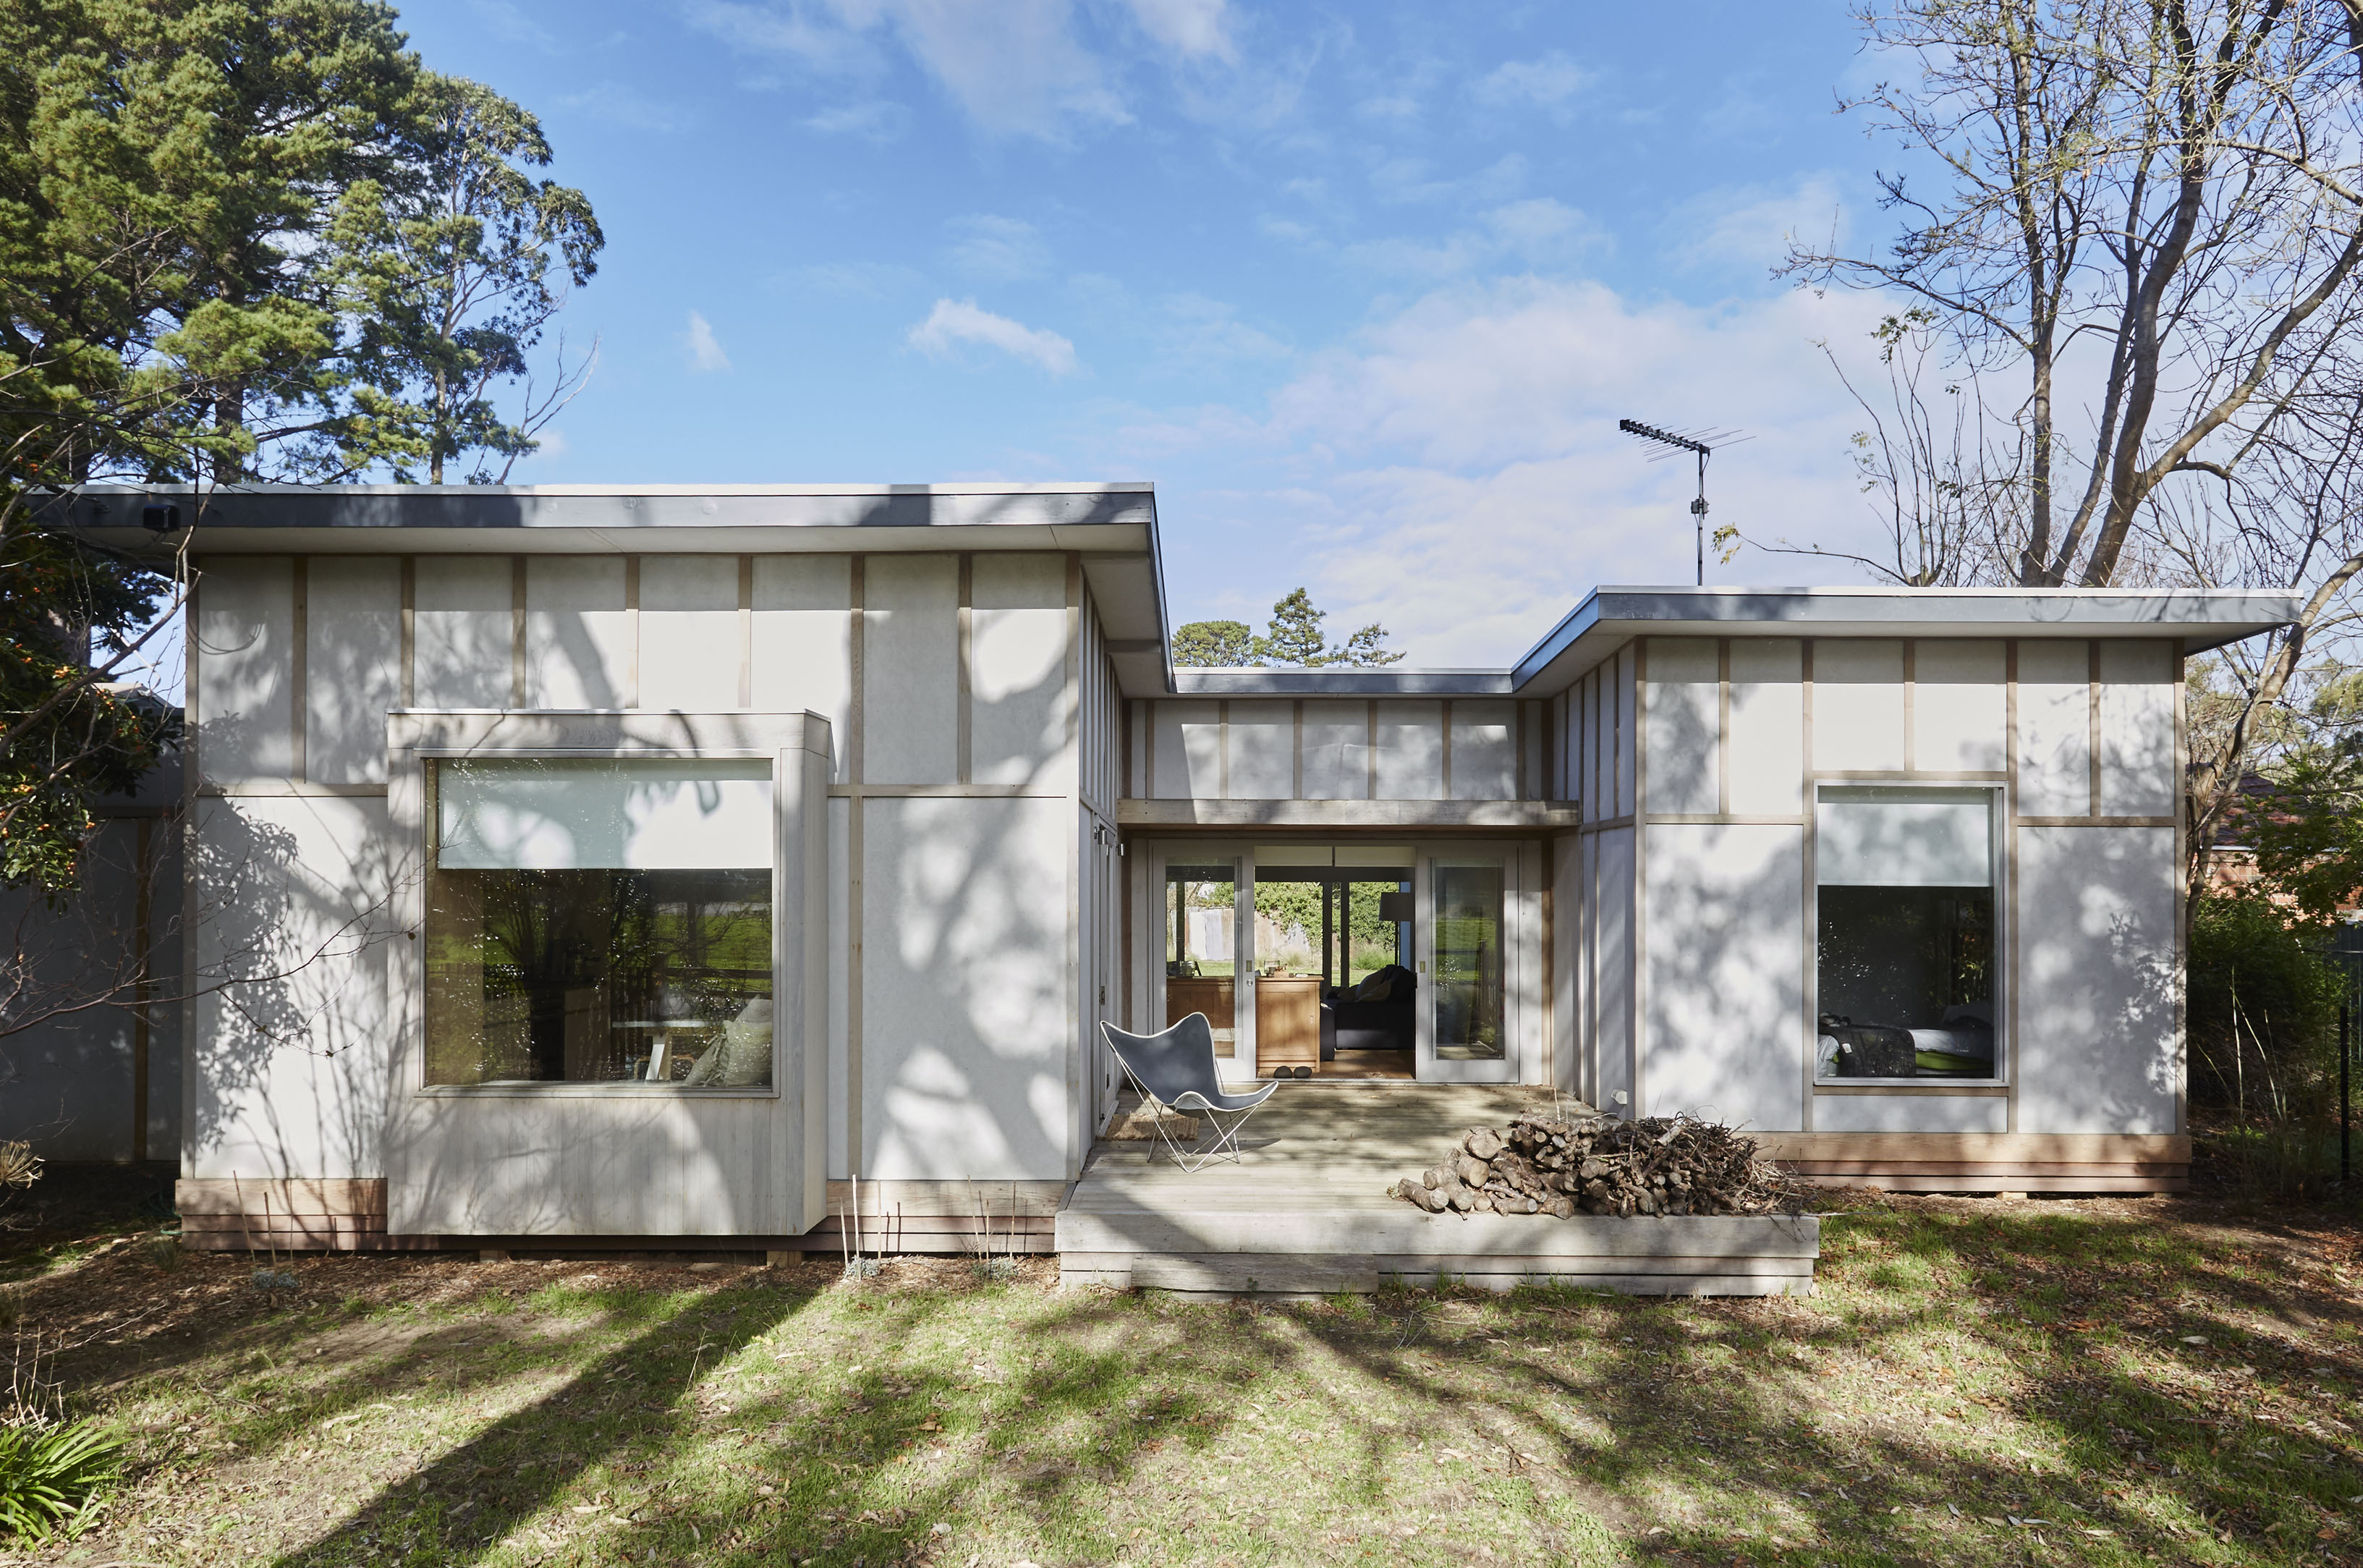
(1298, 1274)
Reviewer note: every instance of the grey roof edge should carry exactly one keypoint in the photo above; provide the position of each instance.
(966, 487)
(2206, 617)
(236, 516)
(1191, 683)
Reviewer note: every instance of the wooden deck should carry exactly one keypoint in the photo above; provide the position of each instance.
(1305, 1211)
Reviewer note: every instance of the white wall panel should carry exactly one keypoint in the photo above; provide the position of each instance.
(463, 631)
(2137, 776)
(2055, 736)
(1538, 755)
(841, 983)
(2097, 1047)
(1611, 962)
(1767, 726)
(691, 643)
(353, 665)
(1484, 751)
(1264, 750)
(1618, 684)
(1189, 741)
(1411, 751)
(909, 670)
(1681, 722)
(1911, 1113)
(1857, 705)
(1019, 704)
(803, 643)
(1564, 931)
(965, 958)
(578, 636)
(1337, 750)
(1726, 951)
(296, 1022)
(246, 669)
(1960, 712)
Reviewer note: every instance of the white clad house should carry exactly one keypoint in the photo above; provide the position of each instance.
(632, 864)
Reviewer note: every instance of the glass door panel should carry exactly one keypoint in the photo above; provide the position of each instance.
(1469, 995)
(1202, 947)
(1466, 949)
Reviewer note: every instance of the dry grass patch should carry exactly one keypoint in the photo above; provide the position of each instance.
(1979, 1381)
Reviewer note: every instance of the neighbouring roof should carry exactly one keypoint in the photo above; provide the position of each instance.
(1113, 527)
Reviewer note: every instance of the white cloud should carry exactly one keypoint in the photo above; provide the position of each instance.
(1201, 332)
(1189, 28)
(1538, 232)
(1550, 83)
(1015, 68)
(506, 22)
(1408, 180)
(880, 120)
(955, 322)
(549, 445)
(618, 105)
(815, 33)
(705, 350)
(856, 280)
(1457, 472)
(1749, 228)
(1002, 248)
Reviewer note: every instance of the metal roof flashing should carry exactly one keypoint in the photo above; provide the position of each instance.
(1112, 526)
(1611, 616)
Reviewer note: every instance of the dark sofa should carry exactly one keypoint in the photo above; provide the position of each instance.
(1374, 1016)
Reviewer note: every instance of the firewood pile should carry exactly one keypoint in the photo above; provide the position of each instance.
(1594, 1165)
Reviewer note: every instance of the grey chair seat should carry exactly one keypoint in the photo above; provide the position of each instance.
(1178, 1069)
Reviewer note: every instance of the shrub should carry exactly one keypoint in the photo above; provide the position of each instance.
(50, 1474)
(2263, 1027)
(2263, 1012)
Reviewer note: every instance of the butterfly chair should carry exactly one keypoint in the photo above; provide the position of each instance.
(1176, 1069)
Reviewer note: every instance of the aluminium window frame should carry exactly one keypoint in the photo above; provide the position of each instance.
(1998, 818)
(419, 740)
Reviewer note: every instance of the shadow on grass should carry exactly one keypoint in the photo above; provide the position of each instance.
(2070, 1331)
(1967, 1376)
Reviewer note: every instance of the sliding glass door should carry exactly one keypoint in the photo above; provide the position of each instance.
(1468, 953)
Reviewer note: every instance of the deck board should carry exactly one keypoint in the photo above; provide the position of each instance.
(1305, 1209)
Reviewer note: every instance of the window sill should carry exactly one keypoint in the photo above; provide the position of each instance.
(616, 1091)
(1911, 1085)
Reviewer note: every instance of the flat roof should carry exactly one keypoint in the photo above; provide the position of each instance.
(1113, 528)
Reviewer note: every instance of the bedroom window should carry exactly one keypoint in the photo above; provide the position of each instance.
(1906, 944)
(601, 921)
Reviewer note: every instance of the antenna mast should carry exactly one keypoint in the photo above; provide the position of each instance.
(1689, 444)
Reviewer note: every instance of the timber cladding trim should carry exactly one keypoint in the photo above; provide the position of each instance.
(1985, 1162)
(349, 1215)
(342, 1214)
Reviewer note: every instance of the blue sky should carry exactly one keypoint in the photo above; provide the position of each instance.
(1362, 288)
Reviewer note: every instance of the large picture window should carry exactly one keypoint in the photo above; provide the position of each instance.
(600, 921)
(1905, 942)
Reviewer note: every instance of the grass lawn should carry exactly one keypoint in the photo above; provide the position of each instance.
(1978, 1381)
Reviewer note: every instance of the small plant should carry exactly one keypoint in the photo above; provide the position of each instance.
(50, 1473)
(19, 1169)
(162, 1252)
(269, 1279)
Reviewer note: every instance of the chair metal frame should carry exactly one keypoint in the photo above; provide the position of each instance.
(1175, 1070)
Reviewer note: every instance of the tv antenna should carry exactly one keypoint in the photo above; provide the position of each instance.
(1704, 443)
